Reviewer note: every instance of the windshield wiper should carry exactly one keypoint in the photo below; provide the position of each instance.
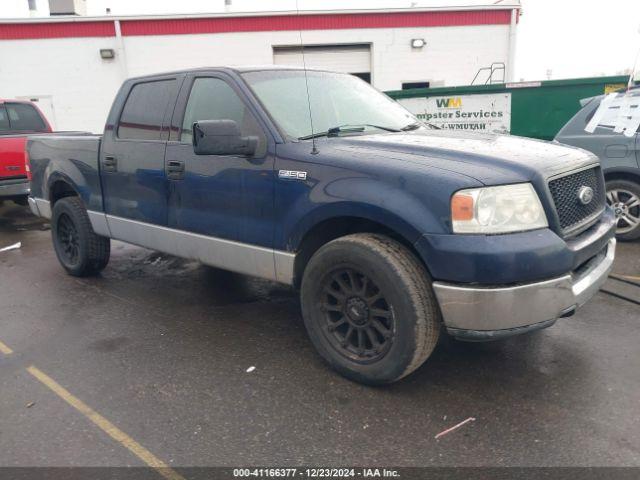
(416, 125)
(347, 129)
(411, 126)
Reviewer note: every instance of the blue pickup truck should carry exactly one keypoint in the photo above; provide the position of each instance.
(395, 232)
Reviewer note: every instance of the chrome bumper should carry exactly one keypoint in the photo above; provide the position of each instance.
(14, 189)
(489, 313)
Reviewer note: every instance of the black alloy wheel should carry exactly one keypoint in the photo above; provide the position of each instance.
(79, 249)
(68, 239)
(359, 320)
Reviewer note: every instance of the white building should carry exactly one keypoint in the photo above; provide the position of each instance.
(73, 66)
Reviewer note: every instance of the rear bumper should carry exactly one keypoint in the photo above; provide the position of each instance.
(14, 188)
(476, 313)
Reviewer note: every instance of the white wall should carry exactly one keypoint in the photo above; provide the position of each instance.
(452, 55)
(82, 85)
(70, 71)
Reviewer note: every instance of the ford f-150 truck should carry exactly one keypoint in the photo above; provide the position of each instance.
(17, 120)
(394, 232)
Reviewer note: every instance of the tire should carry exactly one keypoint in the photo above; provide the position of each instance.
(395, 307)
(79, 250)
(624, 197)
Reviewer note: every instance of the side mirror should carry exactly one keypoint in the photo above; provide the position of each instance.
(221, 137)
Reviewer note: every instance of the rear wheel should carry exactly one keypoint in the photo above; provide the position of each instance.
(80, 251)
(369, 308)
(624, 197)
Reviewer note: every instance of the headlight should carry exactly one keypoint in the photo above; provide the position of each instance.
(503, 209)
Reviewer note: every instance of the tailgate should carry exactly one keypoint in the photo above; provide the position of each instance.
(12, 157)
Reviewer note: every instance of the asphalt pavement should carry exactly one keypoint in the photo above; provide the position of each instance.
(160, 350)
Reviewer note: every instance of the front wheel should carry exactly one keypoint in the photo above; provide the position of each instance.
(369, 308)
(624, 197)
(80, 251)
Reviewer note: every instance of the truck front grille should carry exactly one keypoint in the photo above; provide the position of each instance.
(572, 212)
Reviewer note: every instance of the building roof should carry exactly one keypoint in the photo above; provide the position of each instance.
(106, 26)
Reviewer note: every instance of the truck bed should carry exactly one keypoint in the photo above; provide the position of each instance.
(70, 157)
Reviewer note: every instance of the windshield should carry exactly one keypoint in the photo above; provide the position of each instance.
(337, 100)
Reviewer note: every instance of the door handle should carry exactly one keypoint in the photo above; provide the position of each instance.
(175, 166)
(175, 169)
(110, 164)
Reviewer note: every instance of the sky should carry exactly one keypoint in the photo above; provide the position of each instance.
(556, 38)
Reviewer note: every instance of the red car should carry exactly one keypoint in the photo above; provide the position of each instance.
(18, 119)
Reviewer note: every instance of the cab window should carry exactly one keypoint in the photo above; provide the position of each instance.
(143, 112)
(214, 99)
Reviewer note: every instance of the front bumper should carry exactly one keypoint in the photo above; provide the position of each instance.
(475, 313)
(14, 188)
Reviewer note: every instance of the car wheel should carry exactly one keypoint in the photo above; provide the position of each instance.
(80, 251)
(624, 197)
(369, 308)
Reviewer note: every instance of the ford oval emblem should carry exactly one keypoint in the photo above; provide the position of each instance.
(585, 195)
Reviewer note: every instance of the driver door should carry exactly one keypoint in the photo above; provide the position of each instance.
(223, 196)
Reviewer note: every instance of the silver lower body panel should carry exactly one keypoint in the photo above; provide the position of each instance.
(217, 252)
(239, 257)
(40, 207)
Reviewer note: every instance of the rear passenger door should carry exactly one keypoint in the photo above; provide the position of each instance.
(223, 196)
(133, 177)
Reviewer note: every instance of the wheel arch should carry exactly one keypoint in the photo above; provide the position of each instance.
(309, 240)
(60, 186)
(629, 174)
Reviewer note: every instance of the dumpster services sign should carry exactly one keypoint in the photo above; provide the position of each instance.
(481, 113)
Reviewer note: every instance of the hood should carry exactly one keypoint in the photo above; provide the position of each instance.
(489, 158)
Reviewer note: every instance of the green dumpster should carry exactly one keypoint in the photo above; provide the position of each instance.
(530, 109)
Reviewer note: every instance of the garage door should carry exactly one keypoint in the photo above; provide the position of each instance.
(355, 59)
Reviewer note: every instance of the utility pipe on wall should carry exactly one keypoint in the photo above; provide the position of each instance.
(120, 50)
(512, 46)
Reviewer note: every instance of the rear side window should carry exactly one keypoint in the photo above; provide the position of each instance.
(20, 117)
(143, 112)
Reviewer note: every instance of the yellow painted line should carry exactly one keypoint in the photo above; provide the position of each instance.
(4, 348)
(105, 425)
(629, 277)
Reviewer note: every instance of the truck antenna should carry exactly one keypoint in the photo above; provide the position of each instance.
(314, 149)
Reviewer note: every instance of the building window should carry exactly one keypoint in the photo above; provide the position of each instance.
(410, 85)
(363, 76)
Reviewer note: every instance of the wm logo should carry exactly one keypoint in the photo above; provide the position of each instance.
(452, 102)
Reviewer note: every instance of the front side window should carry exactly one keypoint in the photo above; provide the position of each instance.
(17, 117)
(214, 99)
(336, 99)
(143, 112)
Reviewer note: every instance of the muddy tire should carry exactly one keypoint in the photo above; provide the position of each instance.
(624, 197)
(369, 308)
(80, 251)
